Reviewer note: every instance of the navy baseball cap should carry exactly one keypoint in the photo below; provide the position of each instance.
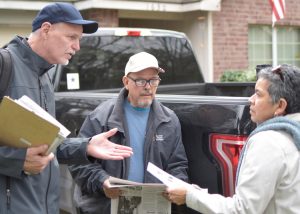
(63, 12)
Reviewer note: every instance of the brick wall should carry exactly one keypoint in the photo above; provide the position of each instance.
(230, 30)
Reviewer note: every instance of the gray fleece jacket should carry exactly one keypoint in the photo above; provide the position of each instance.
(34, 194)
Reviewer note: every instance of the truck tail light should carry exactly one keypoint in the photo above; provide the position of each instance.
(226, 150)
(133, 33)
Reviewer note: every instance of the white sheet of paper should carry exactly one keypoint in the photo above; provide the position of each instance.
(73, 81)
(166, 178)
(29, 104)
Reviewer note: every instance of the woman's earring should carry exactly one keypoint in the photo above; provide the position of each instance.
(275, 114)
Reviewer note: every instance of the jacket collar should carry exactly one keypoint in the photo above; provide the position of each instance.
(295, 117)
(288, 123)
(21, 47)
(157, 112)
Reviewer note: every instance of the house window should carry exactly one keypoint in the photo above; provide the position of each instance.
(288, 45)
(260, 45)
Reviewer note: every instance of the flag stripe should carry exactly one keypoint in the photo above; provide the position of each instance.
(278, 10)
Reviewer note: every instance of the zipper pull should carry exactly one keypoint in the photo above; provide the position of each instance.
(8, 198)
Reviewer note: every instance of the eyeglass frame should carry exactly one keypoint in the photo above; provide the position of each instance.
(145, 81)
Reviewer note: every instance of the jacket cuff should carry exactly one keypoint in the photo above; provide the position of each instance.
(88, 157)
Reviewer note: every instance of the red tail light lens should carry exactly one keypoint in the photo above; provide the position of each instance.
(226, 149)
(133, 33)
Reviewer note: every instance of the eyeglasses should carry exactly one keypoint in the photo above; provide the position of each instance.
(277, 70)
(142, 82)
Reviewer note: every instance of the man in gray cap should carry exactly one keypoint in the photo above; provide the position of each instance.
(29, 180)
(151, 129)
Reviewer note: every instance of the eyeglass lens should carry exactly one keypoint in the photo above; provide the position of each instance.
(143, 82)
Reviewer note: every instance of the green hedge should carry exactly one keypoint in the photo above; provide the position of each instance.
(238, 76)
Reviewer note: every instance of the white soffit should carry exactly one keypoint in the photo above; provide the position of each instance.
(204, 5)
(22, 5)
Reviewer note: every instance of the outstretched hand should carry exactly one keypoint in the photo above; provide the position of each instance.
(100, 147)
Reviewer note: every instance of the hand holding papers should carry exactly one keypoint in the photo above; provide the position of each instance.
(177, 189)
(169, 180)
(25, 124)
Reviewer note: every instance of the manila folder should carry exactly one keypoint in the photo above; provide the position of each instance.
(22, 128)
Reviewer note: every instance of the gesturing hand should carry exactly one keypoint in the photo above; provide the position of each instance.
(35, 160)
(100, 147)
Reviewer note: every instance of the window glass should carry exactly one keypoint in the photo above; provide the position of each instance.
(101, 60)
(260, 45)
(288, 45)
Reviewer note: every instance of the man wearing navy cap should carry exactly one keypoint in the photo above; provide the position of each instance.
(29, 180)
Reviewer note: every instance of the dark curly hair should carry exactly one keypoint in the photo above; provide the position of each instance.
(284, 83)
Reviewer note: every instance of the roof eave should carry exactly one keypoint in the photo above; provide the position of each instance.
(203, 5)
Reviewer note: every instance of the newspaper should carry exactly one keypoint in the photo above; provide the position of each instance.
(139, 198)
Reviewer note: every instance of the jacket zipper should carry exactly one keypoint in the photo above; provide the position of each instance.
(8, 192)
(42, 96)
(47, 191)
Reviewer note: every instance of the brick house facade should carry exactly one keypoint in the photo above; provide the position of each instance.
(230, 30)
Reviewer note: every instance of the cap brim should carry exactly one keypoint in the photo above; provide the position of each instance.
(87, 25)
(160, 70)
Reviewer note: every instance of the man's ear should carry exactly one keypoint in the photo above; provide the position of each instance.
(282, 104)
(45, 28)
(125, 82)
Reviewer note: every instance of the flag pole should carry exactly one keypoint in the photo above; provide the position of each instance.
(278, 12)
(274, 46)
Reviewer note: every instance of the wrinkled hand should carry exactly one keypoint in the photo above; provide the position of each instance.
(100, 147)
(35, 160)
(111, 192)
(176, 194)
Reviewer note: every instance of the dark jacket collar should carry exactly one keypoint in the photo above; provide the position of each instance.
(158, 112)
(21, 47)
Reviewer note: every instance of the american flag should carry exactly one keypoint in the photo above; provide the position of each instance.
(278, 10)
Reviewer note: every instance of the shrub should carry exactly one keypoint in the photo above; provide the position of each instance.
(238, 76)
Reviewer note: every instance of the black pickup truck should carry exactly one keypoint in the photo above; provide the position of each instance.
(214, 117)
